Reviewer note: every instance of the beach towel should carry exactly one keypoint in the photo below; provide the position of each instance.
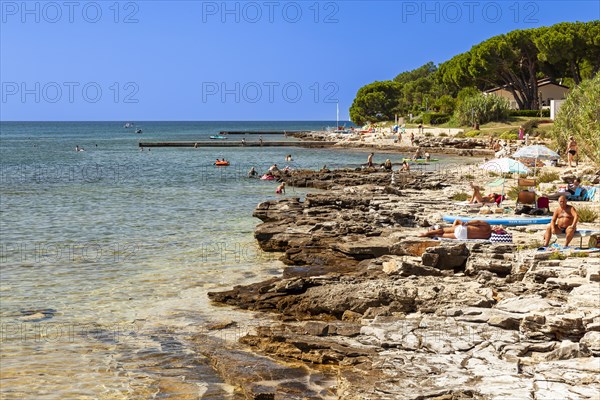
(501, 237)
(466, 204)
(591, 193)
(462, 240)
(567, 249)
(579, 195)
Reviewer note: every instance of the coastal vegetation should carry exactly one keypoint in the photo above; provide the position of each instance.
(481, 108)
(579, 117)
(587, 214)
(565, 52)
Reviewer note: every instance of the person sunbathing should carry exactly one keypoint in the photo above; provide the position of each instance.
(462, 230)
(477, 197)
(564, 221)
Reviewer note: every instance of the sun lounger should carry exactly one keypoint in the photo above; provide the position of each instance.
(593, 235)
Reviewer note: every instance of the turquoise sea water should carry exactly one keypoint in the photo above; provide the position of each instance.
(107, 254)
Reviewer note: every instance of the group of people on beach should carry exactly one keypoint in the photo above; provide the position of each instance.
(564, 222)
(501, 147)
(388, 166)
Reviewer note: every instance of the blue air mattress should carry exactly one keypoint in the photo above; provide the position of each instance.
(500, 219)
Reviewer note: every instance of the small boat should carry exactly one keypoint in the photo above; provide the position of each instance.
(138, 131)
(421, 160)
(218, 137)
(222, 163)
(266, 177)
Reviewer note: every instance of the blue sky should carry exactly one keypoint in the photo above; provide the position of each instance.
(217, 60)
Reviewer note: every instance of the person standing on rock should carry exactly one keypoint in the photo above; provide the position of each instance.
(370, 160)
(572, 151)
(412, 139)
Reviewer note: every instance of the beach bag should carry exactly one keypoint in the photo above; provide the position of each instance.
(523, 210)
(537, 211)
(501, 237)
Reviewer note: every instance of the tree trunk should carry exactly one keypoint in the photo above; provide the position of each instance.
(575, 72)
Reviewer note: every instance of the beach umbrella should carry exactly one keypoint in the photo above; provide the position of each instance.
(537, 151)
(504, 166)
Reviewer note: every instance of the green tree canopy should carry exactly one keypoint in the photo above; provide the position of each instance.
(516, 60)
(377, 101)
(568, 51)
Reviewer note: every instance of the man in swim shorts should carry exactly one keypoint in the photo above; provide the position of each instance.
(564, 221)
(462, 231)
(370, 160)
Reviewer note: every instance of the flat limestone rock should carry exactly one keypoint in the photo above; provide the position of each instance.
(523, 304)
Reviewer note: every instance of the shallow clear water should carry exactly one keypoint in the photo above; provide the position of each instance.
(107, 254)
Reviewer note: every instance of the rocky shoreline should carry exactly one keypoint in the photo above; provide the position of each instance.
(367, 310)
(433, 144)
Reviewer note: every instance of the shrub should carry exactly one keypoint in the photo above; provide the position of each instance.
(428, 134)
(579, 254)
(557, 256)
(439, 118)
(539, 134)
(462, 196)
(529, 125)
(472, 133)
(510, 135)
(547, 177)
(482, 108)
(529, 113)
(513, 192)
(430, 118)
(469, 177)
(460, 135)
(443, 134)
(445, 104)
(427, 118)
(532, 245)
(579, 116)
(586, 214)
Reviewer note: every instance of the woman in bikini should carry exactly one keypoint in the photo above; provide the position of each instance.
(564, 220)
(478, 198)
(571, 151)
